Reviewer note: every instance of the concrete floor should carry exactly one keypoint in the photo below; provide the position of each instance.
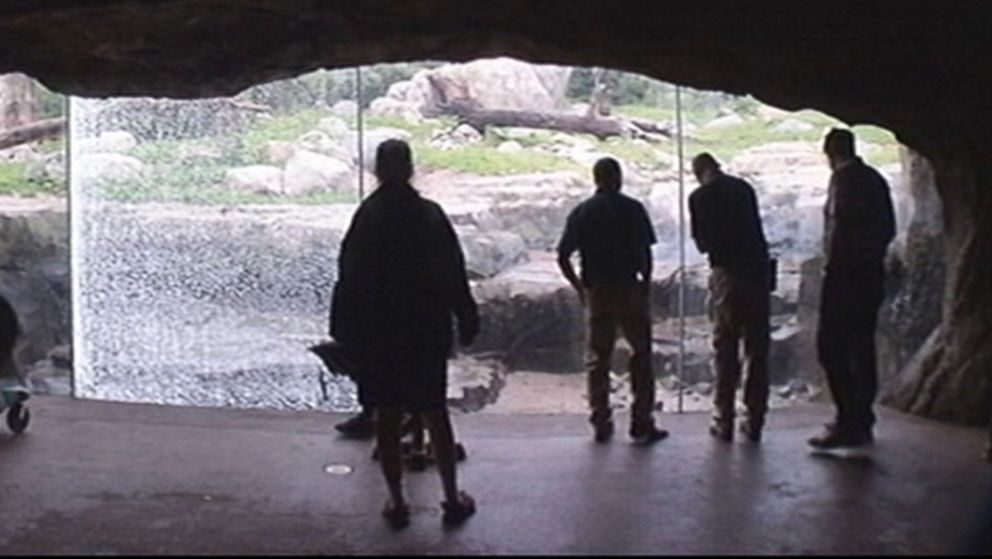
(108, 478)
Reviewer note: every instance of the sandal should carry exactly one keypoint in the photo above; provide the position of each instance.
(458, 511)
(398, 516)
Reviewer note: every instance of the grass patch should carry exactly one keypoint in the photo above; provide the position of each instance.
(484, 160)
(636, 152)
(14, 182)
(285, 128)
(419, 130)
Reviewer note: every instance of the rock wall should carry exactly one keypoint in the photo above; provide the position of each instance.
(34, 277)
(916, 268)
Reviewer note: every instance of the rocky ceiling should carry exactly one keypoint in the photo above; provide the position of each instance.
(919, 68)
(881, 62)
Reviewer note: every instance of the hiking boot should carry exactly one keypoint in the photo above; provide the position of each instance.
(603, 431)
(648, 436)
(722, 430)
(457, 512)
(751, 430)
(362, 426)
(833, 437)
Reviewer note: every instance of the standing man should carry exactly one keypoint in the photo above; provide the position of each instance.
(727, 227)
(408, 289)
(613, 235)
(859, 224)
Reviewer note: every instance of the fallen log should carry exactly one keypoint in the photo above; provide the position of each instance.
(601, 127)
(33, 132)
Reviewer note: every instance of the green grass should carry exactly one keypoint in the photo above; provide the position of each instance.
(199, 181)
(13, 182)
(484, 160)
(420, 130)
(632, 152)
(665, 114)
(286, 128)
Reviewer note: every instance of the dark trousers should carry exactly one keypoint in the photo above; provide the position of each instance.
(845, 341)
(739, 309)
(625, 307)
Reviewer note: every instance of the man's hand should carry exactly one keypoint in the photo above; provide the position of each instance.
(468, 329)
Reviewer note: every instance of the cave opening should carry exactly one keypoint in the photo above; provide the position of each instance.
(204, 231)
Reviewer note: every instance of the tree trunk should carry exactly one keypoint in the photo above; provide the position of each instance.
(952, 379)
(18, 100)
(40, 130)
(599, 127)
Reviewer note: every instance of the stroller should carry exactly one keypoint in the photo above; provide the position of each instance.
(13, 390)
(417, 451)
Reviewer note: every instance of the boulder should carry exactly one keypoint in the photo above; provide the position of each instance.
(319, 141)
(389, 107)
(497, 83)
(345, 109)
(23, 152)
(509, 147)
(725, 121)
(335, 126)
(460, 136)
(532, 318)
(43, 314)
(491, 252)
(278, 152)
(255, 179)
(113, 141)
(307, 172)
(98, 168)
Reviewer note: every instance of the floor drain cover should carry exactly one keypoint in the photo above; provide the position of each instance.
(338, 469)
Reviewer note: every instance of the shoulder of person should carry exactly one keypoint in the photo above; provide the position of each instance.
(580, 208)
(432, 210)
(737, 182)
(877, 175)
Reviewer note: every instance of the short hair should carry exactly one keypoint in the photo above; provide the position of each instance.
(607, 174)
(839, 141)
(704, 161)
(393, 162)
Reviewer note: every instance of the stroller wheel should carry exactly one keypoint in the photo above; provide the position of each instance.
(18, 418)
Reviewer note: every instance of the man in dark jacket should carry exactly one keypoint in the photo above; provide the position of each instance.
(727, 227)
(859, 224)
(402, 282)
(613, 236)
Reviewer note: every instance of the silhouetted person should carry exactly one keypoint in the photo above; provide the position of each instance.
(613, 235)
(727, 228)
(10, 332)
(859, 224)
(405, 273)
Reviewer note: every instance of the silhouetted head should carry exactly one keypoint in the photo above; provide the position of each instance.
(393, 162)
(705, 167)
(606, 172)
(838, 145)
